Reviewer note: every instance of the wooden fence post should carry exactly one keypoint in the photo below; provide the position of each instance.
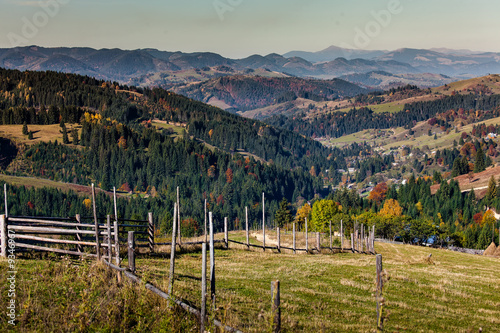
(151, 233)
(178, 217)
(226, 243)
(307, 238)
(341, 236)
(248, 235)
(203, 286)
(172, 255)
(352, 242)
(206, 231)
(263, 225)
(331, 241)
(96, 225)
(117, 249)
(378, 294)
(79, 247)
(373, 239)
(278, 236)
(131, 251)
(114, 203)
(212, 261)
(3, 235)
(362, 237)
(318, 241)
(294, 248)
(276, 309)
(5, 199)
(108, 230)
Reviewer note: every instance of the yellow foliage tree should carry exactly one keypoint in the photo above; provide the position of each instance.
(488, 218)
(87, 203)
(302, 213)
(391, 208)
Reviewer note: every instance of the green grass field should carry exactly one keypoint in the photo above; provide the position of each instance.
(453, 292)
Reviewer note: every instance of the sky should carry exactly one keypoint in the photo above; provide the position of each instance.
(239, 28)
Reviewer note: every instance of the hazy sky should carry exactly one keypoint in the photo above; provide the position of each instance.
(238, 28)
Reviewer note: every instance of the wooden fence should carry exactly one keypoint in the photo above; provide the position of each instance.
(101, 238)
(73, 236)
(362, 240)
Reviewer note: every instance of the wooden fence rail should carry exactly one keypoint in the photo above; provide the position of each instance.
(37, 232)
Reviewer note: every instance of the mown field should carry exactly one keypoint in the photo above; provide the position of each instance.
(452, 292)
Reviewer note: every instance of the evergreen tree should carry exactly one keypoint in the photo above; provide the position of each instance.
(484, 239)
(25, 128)
(74, 136)
(283, 214)
(30, 135)
(480, 165)
(65, 134)
(491, 194)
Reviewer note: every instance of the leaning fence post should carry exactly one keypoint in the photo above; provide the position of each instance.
(5, 197)
(246, 219)
(226, 245)
(276, 309)
(212, 261)
(131, 251)
(108, 230)
(3, 235)
(294, 248)
(378, 295)
(96, 225)
(79, 247)
(151, 232)
(117, 249)
(203, 286)
(172, 256)
(307, 238)
(278, 236)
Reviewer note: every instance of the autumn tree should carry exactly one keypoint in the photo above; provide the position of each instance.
(303, 213)
(323, 211)
(391, 208)
(378, 193)
(229, 175)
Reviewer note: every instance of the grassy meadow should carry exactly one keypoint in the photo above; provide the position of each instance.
(451, 292)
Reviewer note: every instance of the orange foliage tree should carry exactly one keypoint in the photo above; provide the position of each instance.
(378, 193)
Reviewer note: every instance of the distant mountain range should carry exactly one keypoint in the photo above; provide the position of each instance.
(385, 81)
(462, 63)
(149, 67)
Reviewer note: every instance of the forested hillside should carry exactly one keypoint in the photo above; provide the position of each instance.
(49, 98)
(337, 124)
(243, 93)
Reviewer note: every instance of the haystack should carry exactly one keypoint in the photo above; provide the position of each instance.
(497, 252)
(490, 251)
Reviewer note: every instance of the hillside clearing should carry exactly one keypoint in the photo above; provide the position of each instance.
(41, 133)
